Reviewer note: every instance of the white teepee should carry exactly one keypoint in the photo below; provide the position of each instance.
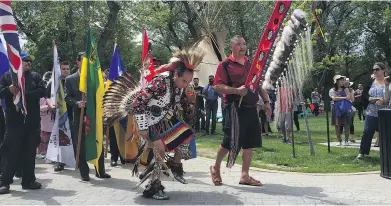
(210, 62)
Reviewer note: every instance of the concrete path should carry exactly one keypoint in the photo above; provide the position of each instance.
(352, 145)
(279, 188)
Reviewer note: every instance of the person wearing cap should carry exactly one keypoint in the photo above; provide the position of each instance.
(349, 85)
(23, 132)
(374, 97)
(342, 105)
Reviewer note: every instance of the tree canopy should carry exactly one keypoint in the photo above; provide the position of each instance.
(358, 33)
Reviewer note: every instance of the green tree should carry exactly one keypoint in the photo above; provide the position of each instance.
(66, 23)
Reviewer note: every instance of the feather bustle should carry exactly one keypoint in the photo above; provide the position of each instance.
(117, 98)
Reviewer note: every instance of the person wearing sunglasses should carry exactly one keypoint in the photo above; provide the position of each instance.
(23, 132)
(375, 96)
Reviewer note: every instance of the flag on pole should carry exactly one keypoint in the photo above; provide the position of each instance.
(116, 67)
(127, 148)
(8, 27)
(60, 148)
(91, 83)
(147, 61)
(4, 63)
(4, 67)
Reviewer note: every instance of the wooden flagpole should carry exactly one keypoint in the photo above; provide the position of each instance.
(81, 121)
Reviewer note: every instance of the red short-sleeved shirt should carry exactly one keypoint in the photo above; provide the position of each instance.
(238, 74)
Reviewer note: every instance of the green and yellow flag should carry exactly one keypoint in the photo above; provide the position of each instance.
(91, 83)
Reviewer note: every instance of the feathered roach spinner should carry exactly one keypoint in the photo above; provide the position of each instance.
(191, 57)
(118, 99)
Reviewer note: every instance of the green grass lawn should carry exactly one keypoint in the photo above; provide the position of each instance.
(278, 156)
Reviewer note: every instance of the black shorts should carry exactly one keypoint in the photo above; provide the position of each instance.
(249, 128)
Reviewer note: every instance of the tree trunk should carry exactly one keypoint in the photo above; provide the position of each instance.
(24, 29)
(388, 56)
(191, 18)
(72, 33)
(165, 42)
(170, 26)
(347, 62)
(386, 45)
(108, 29)
(176, 38)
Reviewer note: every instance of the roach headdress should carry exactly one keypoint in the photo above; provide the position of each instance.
(190, 57)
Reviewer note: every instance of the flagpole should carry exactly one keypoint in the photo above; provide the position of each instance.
(81, 120)
(83, 95)
(55, 103)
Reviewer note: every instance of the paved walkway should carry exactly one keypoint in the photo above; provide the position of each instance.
(280, 188)
(352, 145)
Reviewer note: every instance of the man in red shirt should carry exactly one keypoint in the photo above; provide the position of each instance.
(241, 124)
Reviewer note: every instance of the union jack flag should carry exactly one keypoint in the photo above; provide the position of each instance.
(8, 27)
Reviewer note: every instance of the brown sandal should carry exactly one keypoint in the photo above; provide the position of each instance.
(251, 182)
(216, 178)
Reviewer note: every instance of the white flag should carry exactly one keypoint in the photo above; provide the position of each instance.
(60, 147)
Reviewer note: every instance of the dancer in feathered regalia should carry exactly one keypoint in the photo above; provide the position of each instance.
(158, 112)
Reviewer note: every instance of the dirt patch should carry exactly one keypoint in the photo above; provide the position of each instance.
(284, 166)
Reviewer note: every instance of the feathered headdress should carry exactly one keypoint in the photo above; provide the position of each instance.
(190, 57)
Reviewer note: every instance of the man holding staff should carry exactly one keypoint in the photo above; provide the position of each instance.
(241, 124)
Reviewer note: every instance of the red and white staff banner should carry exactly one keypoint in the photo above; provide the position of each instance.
(265, 44)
